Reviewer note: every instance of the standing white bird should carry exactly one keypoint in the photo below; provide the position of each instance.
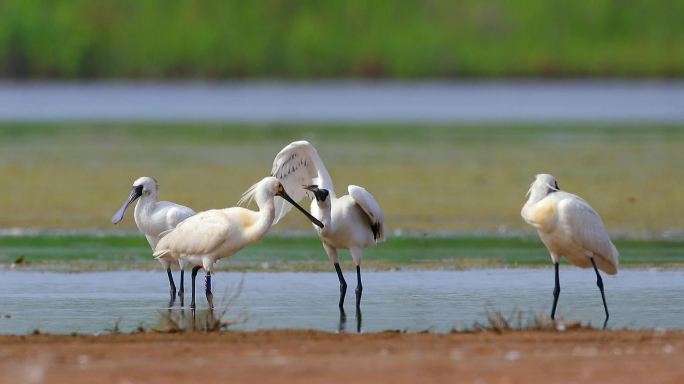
(569, 228)
(153, 218)
(211, 235)
(353, 221)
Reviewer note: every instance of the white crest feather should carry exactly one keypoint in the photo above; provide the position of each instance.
(248, 196)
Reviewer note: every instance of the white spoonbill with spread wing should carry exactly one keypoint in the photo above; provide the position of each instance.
(153, 218)
(353, 221)
(570, 228)
(211, 235)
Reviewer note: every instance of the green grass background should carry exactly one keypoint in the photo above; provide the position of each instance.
(338, 39)
(305, 253)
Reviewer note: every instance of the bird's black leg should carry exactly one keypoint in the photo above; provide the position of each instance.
(181, 291)
(173, 286)
(359, 287)
(556, 293)
(207, 286)
(343, 286)
(194, 274)
(599, 283)
(359, 290)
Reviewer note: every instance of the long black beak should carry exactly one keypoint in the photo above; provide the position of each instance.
(135, 193)
(314, 220)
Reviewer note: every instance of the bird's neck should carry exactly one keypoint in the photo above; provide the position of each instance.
(145, 204)
(528, 209)
(325, 216)
(536, 196)
(265, 220)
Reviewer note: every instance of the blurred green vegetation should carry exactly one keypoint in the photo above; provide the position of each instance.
(353, 38)
(305, 253)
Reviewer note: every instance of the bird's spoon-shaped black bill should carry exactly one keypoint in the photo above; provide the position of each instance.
(135, 193)
(314, 220)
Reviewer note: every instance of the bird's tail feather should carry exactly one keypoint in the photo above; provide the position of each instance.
(380, 237)
(160, 254)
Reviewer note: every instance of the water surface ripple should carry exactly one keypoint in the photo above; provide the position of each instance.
(402, 300)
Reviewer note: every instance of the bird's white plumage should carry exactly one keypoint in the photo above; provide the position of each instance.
(569, 226)
(154, 218)
(370, 206)
(217, 233)
(212, 235)
(296, 165)
(199, 235)
(348, 220)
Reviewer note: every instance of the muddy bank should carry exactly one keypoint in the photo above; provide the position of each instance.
(308, 356)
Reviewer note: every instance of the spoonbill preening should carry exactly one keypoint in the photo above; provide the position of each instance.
(211, 235)
(569, 227)
(352, 222)
(153, 218)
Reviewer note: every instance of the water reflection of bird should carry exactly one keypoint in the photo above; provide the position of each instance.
(342, 322)
(153, 218)
(211, 235)
(353, 221)
(569, 228)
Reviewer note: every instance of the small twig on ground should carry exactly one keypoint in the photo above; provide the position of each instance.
(522, 321)
(116, 328)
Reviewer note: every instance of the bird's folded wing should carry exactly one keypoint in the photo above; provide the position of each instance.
(197, 235)
(371, 207)
(298, 165)
(177, 214)
(587, 229)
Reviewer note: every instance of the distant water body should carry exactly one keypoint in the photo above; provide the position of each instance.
(265, 102)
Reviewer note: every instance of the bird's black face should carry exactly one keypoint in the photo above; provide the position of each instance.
(136, 192)
(320, 194)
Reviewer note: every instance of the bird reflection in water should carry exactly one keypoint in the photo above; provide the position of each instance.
(342, 324)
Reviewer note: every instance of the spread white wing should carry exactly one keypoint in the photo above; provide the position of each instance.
(369, 205)
(586, 228)
(298, 165)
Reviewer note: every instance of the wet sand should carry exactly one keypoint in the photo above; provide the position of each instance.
(309, 356)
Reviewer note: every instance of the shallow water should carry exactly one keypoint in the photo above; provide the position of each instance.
(403, 300)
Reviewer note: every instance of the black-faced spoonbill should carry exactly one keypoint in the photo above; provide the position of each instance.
(353, 221)
(570, 228)
(153, 218)
(211, 235)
